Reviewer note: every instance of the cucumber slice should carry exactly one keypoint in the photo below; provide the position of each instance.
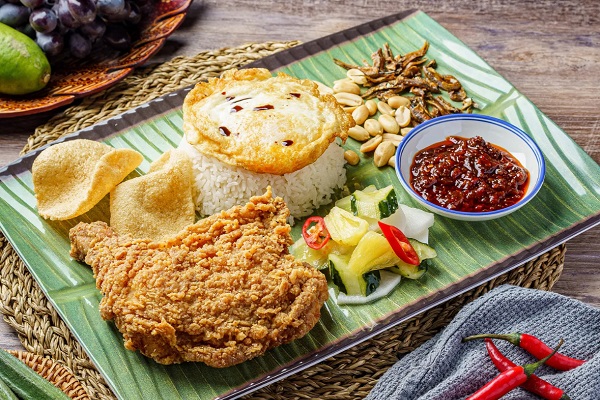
(378, 204)
(387, 283)
(423, 250)
(348, 281)
(409, 271)
(344, 227)
(344, 202)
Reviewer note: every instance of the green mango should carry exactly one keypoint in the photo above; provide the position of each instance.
(24, 68)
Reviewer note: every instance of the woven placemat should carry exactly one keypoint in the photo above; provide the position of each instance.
(55, 373)
(349, 375)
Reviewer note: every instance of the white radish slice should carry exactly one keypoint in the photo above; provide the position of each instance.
(418, 223)
(388, 282)
(397, 219)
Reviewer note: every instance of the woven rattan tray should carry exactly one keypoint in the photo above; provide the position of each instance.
(54, 373)
(350, 374)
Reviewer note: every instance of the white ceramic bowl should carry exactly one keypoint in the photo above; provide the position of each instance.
(492, 130)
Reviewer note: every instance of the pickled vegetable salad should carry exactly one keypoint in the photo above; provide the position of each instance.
(367, 244)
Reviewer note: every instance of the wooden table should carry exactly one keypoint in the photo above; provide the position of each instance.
(549, 50)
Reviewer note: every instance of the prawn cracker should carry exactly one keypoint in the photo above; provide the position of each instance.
(70, 178)
(158, 204)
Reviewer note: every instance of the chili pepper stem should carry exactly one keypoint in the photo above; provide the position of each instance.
(513, 338)
(529, 369)
(534, 384)
(509, 379)
(535, 347)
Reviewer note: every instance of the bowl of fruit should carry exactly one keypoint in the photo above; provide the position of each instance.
(78, 47)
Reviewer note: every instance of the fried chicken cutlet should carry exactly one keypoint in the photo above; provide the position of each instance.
(221, 292)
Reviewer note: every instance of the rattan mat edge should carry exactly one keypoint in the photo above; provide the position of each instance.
(349, 375)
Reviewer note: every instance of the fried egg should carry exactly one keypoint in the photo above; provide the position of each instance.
(263, 123)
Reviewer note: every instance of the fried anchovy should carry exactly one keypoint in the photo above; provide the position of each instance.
(444, 106)
(418, 109)
(402, 83)
(446, 82)
(367, 70)
(386, 94)
(407, 58)
(391, 64)
(391, 75)
(457, 95)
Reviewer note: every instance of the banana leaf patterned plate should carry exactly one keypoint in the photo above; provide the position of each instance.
(468, 253)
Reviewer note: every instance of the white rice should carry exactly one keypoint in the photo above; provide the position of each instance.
(221, 186)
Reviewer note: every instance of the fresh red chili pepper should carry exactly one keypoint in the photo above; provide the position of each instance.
(535, 347)
(534, 384)
(509, 379)
(316, 236)
(400, 244)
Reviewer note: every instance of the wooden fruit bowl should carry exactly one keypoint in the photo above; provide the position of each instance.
(72, 79)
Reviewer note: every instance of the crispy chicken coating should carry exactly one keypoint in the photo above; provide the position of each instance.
(221, 292)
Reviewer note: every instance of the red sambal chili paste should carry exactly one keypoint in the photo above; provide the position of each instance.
(469, 175)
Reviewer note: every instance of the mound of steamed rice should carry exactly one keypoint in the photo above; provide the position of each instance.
(221, 186)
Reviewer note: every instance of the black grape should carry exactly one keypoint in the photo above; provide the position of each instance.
(14, 14)
(32, 3)
(79, 45)
(116, 36)
(51, 43)
(110, 7)
(135, 16)
(61, 10)
(94, 30)
(121, 16)
(83, 11)
(76, 27)
(43, 20)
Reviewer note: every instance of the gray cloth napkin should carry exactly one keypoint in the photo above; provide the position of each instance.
(444, 368)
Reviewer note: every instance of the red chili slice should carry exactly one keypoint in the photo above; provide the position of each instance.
(400, 244)
(316, 236)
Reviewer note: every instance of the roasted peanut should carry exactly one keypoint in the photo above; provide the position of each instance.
(344, 86)
(351, 157)
(373, 127)
(404, 131)
(392, 162)
(357, 76)
(372, 106)
(323, 89)
(390, 137)
(403, 116)
(358, 133)
(397, 101)
(383, 153)
(348, 99)
(371, 144)
(361, 114)
(348, 80)
(385, 108)
(389, 124)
